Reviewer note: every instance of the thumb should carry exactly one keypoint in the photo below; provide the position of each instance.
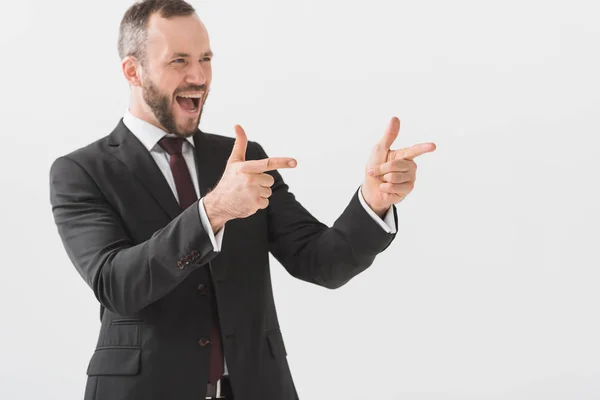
(238, 153)
(391, 133)
(381, 150)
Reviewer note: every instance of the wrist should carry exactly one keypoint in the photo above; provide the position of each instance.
(377, 209)
(216, 217)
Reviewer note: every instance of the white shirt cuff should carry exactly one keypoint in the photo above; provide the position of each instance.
(215, 239)
(388, 223)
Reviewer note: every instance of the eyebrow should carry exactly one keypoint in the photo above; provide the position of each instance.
(205, 54)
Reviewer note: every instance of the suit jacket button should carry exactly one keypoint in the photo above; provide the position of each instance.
(180, 264)
(203, 342)
(202, 288)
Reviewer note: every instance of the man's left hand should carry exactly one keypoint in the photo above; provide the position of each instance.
(391, 174)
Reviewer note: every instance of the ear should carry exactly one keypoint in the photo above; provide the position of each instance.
(131, 70)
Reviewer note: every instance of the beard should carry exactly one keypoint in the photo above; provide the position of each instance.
(161, 106)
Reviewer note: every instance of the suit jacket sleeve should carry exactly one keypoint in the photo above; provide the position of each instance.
(124, 276)
(311, 251)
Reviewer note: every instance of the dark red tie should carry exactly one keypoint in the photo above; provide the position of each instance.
(187, 197)
(181, 173)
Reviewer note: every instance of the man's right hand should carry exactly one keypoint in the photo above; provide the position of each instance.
(244, 187)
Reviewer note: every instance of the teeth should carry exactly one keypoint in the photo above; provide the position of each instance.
(190, 96)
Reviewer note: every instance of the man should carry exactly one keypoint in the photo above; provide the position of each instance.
(172, 227)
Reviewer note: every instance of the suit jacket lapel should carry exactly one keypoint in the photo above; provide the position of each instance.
(127, 148)
(211, 160)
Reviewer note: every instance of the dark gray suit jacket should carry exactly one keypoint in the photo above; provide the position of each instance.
(147, 263)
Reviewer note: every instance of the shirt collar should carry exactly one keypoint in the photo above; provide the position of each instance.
(147, 133)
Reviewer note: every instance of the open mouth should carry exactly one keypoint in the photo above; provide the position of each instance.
(189, 102)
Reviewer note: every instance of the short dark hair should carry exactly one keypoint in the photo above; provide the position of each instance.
(133, 31)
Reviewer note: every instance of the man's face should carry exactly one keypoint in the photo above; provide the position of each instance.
(177, 72)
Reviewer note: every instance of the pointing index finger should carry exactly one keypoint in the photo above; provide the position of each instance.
(414, 151)
(267, 164)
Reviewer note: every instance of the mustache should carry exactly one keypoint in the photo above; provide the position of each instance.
(192, 88)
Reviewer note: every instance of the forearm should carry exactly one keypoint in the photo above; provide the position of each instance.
(313, 252)
(330, 257)
(131, 278)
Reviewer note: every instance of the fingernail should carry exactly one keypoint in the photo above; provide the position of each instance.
(371, 171)
(292, 163)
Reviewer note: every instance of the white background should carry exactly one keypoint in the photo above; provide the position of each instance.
(491, 288)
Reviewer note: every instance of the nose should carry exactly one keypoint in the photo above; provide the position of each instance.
(196, 74)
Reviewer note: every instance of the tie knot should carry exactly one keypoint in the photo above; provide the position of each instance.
(171, 145)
